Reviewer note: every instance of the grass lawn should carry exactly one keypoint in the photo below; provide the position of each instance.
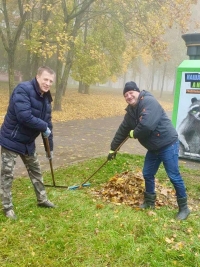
(85, 231)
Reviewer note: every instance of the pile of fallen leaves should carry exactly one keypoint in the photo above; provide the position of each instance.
(128, 188)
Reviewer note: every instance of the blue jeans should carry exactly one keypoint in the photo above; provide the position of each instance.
(169, 157)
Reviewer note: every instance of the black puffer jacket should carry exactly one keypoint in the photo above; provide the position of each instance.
(28, 114)
(151, 125)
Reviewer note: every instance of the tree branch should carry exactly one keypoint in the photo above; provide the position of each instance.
(75, 13)
(5, 44)
(19, 29)
(6, 19)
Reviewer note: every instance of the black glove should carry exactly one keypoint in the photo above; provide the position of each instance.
(111, 155)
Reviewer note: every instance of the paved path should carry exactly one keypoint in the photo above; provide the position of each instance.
(79, 140)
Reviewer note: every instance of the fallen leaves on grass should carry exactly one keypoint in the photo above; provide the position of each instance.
(128, 187)
(96, 105)
(99, 104)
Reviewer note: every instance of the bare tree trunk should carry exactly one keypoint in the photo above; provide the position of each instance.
(10, 39)
(27, 67)
(27, 73)
(61, 87)
(58, 71)
(139, 82)
(125, 77)
(163, 79)
(81, 87)
(87, 89)
(152, 76)
(11, 79)
(158, 80)
(63, 81)
(85, 86)
(174, 86)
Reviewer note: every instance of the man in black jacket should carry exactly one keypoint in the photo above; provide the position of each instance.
(147, 121)
(28, 115)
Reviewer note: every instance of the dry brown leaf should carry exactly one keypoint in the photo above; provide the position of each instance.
(151, 213)
(99, 206)
(169, 240)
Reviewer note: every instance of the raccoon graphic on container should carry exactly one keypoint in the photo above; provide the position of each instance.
(189, 131)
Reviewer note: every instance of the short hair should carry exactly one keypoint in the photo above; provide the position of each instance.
(45, 68)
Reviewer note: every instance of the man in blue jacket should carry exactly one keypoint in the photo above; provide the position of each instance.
(28, 115)
(147, 121)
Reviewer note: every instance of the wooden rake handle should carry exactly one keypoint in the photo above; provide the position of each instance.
(46, 140)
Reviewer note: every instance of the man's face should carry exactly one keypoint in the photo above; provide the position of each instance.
(131, 97)
(45, 81)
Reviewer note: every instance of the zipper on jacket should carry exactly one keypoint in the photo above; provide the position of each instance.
(14, 133)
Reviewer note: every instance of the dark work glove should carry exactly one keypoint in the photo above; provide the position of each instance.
(111, 155)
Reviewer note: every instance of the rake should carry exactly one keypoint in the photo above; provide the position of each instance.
(85, 183)
(46, 140)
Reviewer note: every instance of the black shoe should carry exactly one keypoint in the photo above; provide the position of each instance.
(46, 204)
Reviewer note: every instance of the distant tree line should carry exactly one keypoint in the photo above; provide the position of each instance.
(92, 41)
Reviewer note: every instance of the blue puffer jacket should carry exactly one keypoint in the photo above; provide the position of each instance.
(28, 115)
(151, 125)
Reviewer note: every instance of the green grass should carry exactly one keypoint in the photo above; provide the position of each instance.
(84, 231)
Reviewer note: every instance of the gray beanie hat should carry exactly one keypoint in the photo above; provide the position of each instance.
(130, 86)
